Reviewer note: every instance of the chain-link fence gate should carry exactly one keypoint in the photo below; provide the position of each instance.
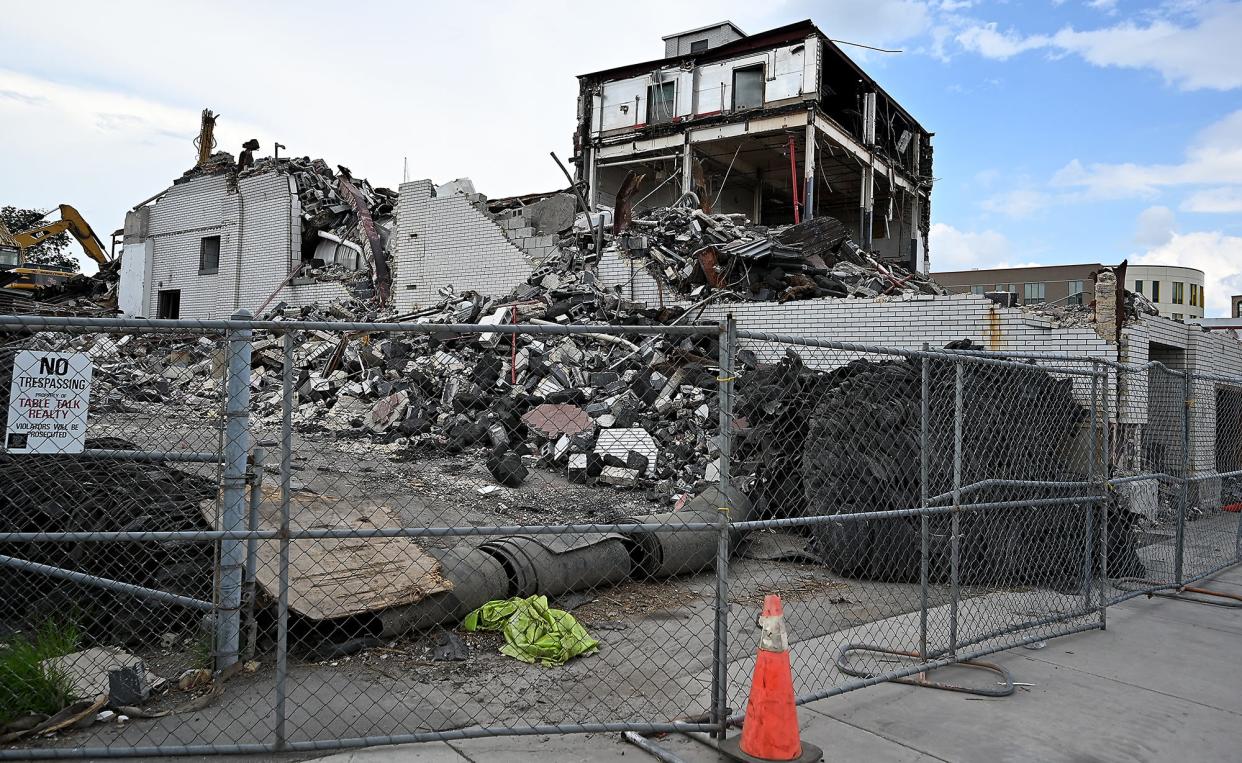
(300, 536)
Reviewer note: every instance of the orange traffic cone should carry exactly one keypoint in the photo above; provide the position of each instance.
(770, 731)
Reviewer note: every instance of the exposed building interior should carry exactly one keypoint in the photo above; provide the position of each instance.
(779, 126)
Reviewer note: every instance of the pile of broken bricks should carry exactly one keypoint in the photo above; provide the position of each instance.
(694, 254)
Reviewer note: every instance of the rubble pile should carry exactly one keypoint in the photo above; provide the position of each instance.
(324, 209)
(44, 493)
(625, 411)
(695, 254)
(811, 460)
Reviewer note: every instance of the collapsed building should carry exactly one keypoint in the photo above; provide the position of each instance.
(780, 126)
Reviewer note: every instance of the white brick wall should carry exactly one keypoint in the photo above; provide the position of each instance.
(264, 215)
(444, 241)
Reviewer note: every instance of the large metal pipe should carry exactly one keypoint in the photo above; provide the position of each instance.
(534, 567)
(476, 577)
(676, 548)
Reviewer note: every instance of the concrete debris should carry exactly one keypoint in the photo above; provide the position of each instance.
(695, 254)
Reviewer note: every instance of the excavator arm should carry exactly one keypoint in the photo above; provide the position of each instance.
(70, 220)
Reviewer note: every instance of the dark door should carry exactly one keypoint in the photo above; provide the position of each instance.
(169, 305)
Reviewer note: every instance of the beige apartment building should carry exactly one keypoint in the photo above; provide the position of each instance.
(1054, 284)
(1176, 291)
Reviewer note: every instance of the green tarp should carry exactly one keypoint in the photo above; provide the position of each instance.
(534, 632)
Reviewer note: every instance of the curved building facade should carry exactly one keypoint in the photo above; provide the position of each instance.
(1176, 291)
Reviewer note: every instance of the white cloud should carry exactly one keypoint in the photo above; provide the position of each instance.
(990, 42)
(953, 249)
(1201, 54)
(1214, 157)
(1106, 6)
(1219, 256)
(1155, 226)
(1019, 203)
(1214, 201)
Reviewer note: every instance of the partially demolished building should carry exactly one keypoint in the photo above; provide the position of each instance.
(222, 239)
(780, 126)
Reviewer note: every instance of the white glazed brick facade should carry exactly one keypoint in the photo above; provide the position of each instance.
(448, 241)
(258, 223)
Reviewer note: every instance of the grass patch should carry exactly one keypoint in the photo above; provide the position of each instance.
(26, 686)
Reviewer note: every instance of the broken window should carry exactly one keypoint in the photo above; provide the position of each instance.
(661, 103)
(1075, 292)
(1033, 293)
(1179, 293)
(1155, 291)
(698, 46)
(748, 87)
(208, 255)
(168, 304)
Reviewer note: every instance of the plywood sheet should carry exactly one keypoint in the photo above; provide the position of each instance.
(334, 578)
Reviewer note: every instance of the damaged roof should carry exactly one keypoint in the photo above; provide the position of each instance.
(758, 41)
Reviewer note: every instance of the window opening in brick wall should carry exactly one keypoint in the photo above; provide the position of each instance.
(661, 99)
(1033, 293)
(698, 46)
(208, 255)
(748, 87)
(168, 304)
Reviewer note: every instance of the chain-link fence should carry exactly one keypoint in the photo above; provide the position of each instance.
(287, 535)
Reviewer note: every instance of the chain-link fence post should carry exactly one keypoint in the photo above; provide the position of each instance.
(1105, 474)
(233, 492)
(252, 547)
(286, 477)
(720, 652)
(1184, 497)
(955, 550)
(924, 529)
(1088, 562)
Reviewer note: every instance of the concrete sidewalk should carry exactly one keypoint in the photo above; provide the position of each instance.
(1162, 683)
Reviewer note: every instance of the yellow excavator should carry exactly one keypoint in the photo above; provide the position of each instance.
(28, 277)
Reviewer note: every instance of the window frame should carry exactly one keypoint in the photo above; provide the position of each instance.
(1155, 291)
(1041, 289)
(203, 270)
(1077, 292)
(652, 101)
(1179, 292)
(763, 86)
(705, 43)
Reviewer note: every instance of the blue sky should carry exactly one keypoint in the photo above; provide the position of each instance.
(1064, 131)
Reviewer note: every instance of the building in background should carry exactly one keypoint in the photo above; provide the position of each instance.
(1236, 309)
(1176, 291)
(1050, 284)
(780, 126)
